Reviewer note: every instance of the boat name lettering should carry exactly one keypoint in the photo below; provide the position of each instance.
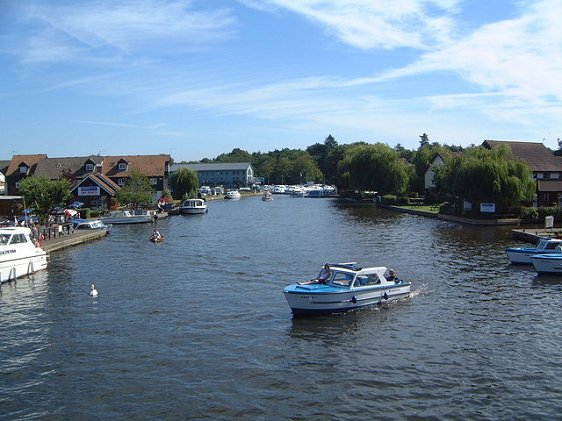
(7, 252)
(305, 297)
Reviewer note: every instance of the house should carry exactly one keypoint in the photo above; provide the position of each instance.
(95, 179)
(429, 174)
(227, 174)
(20, 167)
(545, 166)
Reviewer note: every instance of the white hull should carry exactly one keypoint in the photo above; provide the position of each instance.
(193, 211)
(13, 269)
(547, 263)
(306, 302)
(127, 220)
(18, 255)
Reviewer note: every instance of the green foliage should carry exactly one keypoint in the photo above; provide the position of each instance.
(373, 167)
(137, 191)
(43, 194)
(482, 174)
(185, 183)
(237, 155)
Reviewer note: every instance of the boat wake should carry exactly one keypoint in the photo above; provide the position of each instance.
(423, 289)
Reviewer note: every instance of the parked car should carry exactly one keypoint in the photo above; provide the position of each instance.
(75, 205)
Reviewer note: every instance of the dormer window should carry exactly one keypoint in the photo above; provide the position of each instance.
(122, 166)
(23, 169)
(89, 167)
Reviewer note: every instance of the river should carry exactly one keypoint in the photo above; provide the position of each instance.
(197, 327)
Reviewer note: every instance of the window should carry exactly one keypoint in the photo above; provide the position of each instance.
(122, 165)
(89, 167)
(23, 169)
(121, 181)
(153, 181)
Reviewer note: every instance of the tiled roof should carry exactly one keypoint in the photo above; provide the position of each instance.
(4, 166)
(102, 181)
(535, 154)
(220, 166)
(148, 165)
(29, 160)
(54, 168)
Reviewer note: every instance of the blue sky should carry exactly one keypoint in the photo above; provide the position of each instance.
(198, 78)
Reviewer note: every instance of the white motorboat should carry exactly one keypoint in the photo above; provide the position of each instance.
(267, 196)
(522, 255)
(550, 263)
(193, 207)
(233, 195)
(18, 254)
(90, 224)
(127, 217)
(347, 288)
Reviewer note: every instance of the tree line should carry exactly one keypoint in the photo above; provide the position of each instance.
(473, 173)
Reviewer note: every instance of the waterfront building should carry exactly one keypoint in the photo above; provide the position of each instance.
(227, 174)
(3, 185)
(95, 179)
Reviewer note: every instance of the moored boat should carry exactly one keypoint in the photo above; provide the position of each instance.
(233, 195)
(348, 287)
(18, 254)
(127, 217)
(522, 255)
(550, 263)
(193, 207)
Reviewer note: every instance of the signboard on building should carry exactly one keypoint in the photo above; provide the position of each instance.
(89, 191)
(487, 207)
(548, 222)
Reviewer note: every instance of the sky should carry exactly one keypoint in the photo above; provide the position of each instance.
(197, 78)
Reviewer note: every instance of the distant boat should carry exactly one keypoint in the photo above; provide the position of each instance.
(193, 207)
(232, 195)
(126, 217)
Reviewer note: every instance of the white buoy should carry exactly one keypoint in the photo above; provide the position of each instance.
(94, 291)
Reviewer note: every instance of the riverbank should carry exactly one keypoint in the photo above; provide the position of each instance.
(452, 218)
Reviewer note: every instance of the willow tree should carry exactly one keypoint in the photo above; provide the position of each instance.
(491, 175)
(373, 167)
(185, 183)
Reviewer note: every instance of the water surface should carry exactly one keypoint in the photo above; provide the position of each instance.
(197, 327)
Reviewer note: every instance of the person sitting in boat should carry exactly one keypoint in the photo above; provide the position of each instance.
(323, 278)
(156, 235)
(392, 276)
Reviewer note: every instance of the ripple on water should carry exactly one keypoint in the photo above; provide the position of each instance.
(197, 326)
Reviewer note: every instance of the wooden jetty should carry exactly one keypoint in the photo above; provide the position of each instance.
(73, 239)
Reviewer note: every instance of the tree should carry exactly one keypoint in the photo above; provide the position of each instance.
(136, 192)
(185, 183)
(373, 167)
(482, 174)
(424, 140)
(42, 194)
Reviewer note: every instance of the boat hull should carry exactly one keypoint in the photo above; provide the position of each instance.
(522, 255)
(193, 211)
(322, 299)
(22, 266)
(548, 263)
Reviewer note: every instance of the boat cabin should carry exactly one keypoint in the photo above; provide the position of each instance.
(14, 235)
(349, 275)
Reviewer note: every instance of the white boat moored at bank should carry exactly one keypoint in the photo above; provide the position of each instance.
(18, 254)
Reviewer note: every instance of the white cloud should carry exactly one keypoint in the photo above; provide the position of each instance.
(387, 24)
(114, 28)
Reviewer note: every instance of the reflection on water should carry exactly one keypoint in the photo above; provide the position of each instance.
(198, 327)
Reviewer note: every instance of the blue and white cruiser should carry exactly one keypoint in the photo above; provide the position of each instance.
(349, 287)
(522, 255)
(18, 254)
(548, 263)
